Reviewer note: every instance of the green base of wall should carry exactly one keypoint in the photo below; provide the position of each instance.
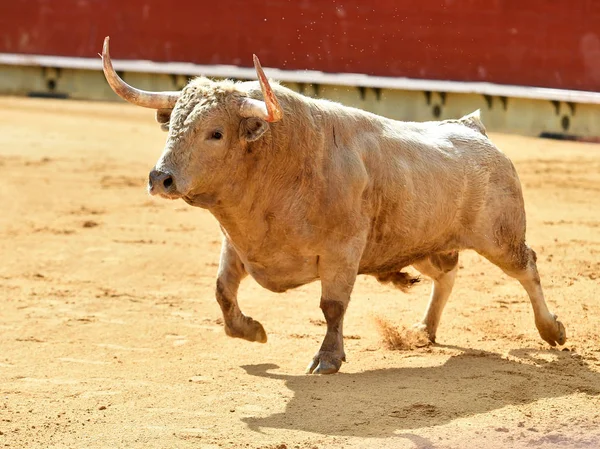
(525, 116)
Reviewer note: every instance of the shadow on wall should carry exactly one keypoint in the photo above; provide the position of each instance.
(381, 402)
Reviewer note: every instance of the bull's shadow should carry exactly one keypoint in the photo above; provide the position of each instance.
(380, 402)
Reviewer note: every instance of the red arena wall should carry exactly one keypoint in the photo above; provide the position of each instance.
(536, 43)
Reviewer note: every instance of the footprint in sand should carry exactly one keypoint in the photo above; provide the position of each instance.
(178, 340)
(123, 348)
(84, 361)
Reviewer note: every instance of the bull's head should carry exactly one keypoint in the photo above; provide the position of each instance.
(210, 125)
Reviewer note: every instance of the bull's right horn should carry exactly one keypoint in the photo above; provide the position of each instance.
(269, 109)
(153, 100)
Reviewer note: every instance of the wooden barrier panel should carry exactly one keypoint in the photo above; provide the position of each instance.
(534, 43)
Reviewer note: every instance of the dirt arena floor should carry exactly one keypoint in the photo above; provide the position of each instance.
(110, 335)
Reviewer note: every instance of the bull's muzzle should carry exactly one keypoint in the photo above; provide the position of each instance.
(161, 183)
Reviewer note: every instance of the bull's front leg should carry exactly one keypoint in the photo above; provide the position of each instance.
(337, 281)
(231, 273)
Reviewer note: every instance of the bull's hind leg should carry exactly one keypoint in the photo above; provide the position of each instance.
(441, 268)
(231, 273)
(519, 262)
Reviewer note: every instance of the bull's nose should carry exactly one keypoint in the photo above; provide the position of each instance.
(160, 182)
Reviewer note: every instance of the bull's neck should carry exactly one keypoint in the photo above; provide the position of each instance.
(279, 179)
(246, 211)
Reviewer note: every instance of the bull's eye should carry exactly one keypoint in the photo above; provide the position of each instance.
(217, 135)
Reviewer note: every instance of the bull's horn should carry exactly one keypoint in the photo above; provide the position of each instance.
(269, 109)
(154, 100)
(249, 107)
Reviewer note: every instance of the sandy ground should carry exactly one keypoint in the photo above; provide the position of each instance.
(110, 335)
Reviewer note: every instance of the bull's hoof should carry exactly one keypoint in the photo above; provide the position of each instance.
(422, 328)
(248, 329)
(325, 362)
(553, 331)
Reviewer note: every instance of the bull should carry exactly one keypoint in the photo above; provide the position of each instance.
(307, 189)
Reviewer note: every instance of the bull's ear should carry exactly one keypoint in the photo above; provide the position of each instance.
(163, 116)
(252, 128)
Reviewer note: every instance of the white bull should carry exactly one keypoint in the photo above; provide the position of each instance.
(308, 189)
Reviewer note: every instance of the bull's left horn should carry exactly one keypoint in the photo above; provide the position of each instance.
(153, 100)
(269, 109)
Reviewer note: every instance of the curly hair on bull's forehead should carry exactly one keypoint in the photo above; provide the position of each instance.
(210, 89)
(200, 97)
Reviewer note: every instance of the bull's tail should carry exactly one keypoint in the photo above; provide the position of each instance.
(473, 121)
